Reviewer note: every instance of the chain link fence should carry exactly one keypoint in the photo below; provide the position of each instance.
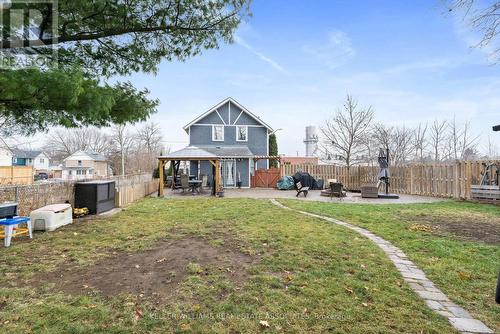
(34, 196)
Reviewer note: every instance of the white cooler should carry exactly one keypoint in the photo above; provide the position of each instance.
(50, 217)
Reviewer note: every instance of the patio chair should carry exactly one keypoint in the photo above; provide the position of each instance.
(337, 189)
(204, 182)
(184, 182)
(301, 190)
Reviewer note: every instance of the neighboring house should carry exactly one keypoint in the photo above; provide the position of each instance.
(85, 165)
(233, 134)
(37, 159)
(6, 156)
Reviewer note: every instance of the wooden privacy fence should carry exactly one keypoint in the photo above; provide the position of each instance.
(265, 178)
(126, 194)
(440, 180)
(16, 175)
(129, 188)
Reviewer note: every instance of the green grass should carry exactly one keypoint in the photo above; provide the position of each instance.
(464, 269)
(308, 276)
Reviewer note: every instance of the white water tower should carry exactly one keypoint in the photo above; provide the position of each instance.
(311, 141)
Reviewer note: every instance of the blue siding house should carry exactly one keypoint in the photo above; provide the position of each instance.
(235, 136)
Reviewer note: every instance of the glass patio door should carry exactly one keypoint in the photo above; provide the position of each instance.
(228, 172)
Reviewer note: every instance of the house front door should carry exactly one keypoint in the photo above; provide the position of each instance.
(228, 172)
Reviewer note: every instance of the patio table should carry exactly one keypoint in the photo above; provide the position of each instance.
(11, 228)
(195, 185)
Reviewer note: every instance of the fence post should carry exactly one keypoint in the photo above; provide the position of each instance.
(411, 180)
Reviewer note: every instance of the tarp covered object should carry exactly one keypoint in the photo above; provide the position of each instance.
(285, 183)
(306, 180)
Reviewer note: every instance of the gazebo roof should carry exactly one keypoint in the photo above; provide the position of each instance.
(209, 152)
(189, 153)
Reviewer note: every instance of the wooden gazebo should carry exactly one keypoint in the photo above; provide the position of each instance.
(189, 153)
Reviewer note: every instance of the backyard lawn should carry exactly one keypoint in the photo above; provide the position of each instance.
(244, 265)
(457, 244)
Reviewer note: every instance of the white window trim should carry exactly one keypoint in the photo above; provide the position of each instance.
(213, 133)
(241, 126)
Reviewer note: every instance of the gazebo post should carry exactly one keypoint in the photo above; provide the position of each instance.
(175, 171)
(217, 177)
(160, 171)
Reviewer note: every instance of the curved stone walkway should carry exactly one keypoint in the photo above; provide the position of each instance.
(433, 297)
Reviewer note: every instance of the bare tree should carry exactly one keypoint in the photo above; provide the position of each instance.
(437, 135)
(343, 133)
(460, 141)
(371, 149)
(64, 142)
(150, 137)
(420, 141)
(150, 145)
(9, 127)
(123, 141)
(484, 17)
(402, 145)
(382, 134)
(398, 140)
(492, 150)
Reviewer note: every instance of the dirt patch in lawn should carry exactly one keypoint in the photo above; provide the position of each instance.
(482, 229)
(155, 273)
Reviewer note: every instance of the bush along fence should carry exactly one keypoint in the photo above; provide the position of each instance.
(440, 180)
(129, 188)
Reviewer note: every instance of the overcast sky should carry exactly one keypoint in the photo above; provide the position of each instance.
(294, 61)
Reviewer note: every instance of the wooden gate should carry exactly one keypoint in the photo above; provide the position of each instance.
(266, 178)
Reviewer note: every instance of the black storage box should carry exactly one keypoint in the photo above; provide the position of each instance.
(97, 196)
(8, 210)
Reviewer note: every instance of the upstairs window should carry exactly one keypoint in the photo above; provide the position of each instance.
(241, 133)
(79, 163)
(218, 133)
(42, 160)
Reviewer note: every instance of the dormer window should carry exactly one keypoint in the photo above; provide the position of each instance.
(241, 133)
(218, 133)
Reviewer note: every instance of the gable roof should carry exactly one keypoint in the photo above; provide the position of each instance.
(92, 155)
(96, 156)
(23, 154)
(220, 104)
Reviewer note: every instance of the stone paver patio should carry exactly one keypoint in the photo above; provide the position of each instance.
(314, 195)
(433, 297)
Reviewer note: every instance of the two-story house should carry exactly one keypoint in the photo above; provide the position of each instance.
(235, 136)
(85, 165)
(37, 159)
(6, 156)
